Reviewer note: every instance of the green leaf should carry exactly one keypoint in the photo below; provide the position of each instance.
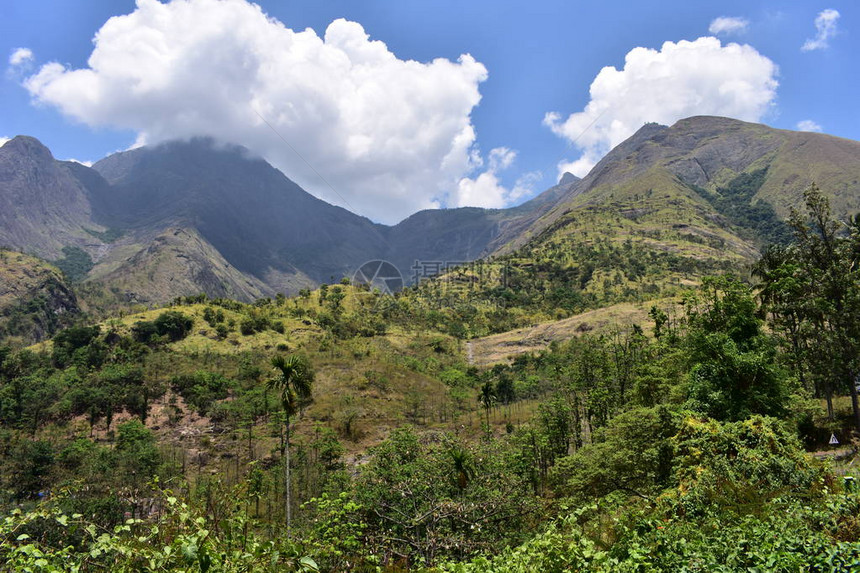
(308, 564)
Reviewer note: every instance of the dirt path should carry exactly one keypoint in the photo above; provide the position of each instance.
(837, 454)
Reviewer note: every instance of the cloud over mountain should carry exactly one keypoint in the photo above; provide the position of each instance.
(809, 125)
(682, 79)
(486, 190)
(340, 114)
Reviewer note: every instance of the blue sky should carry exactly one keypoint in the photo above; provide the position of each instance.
(357, 123)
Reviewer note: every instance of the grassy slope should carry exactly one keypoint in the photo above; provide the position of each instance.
(364, 387)
(500, 348)
(831, 162)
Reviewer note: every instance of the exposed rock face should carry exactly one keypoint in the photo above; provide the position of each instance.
(35, 300)
(197, 216)
(44, 205)
(179, 262)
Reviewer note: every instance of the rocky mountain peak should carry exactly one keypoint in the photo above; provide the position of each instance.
(568, 178)
(29, 147)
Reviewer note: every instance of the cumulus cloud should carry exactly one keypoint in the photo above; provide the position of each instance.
(486, 190)
(3, 140)
(808, 125)
(20, 56)
(728, 25)
(365, 129)
(825, 26)
(682, 79)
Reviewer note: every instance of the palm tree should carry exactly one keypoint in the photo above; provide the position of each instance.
(463, 468)
(487, 398)
(293, 379)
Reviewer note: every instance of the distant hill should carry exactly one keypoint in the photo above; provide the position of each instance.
(196, 216)
(686, 179)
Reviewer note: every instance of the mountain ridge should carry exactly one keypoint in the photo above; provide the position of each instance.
(262, 234)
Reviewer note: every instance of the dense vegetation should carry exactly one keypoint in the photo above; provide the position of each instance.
(755, 219)
(346, 430)
(76, 263)
(35, 300)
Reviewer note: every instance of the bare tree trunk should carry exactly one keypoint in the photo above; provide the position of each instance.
(854, 403)
(287, 488)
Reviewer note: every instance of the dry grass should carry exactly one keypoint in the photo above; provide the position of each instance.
(502, 347)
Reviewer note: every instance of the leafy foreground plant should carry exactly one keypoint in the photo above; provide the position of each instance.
(177, 538)
(744, 497)
(797, 538)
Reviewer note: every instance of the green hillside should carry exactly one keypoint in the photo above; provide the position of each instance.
(635, 438)
(648, 376)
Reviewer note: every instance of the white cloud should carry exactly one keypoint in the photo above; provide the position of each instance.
(579, 167)
(391, 136)
(3, 140)
(728, 25)
(808, 125)
(486, 190)
(87, 163)
(825, 26)
(680, 80)
(501, 158)
(20, 56)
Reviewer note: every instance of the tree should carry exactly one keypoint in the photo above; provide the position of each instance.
(739, 466)
(173, 324)
(812, 290)
(294, 379)
(426, 501)
(732, 362)
(632, 454)
(487, 399)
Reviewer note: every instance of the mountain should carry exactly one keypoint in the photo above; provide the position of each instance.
(196, 216)
(259, 221)
(683, 172)
(270, 229)
(685, 180)
(661, 211)
(45, 204)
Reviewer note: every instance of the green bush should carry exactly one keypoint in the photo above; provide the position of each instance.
(201, 389)
(171, 325)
